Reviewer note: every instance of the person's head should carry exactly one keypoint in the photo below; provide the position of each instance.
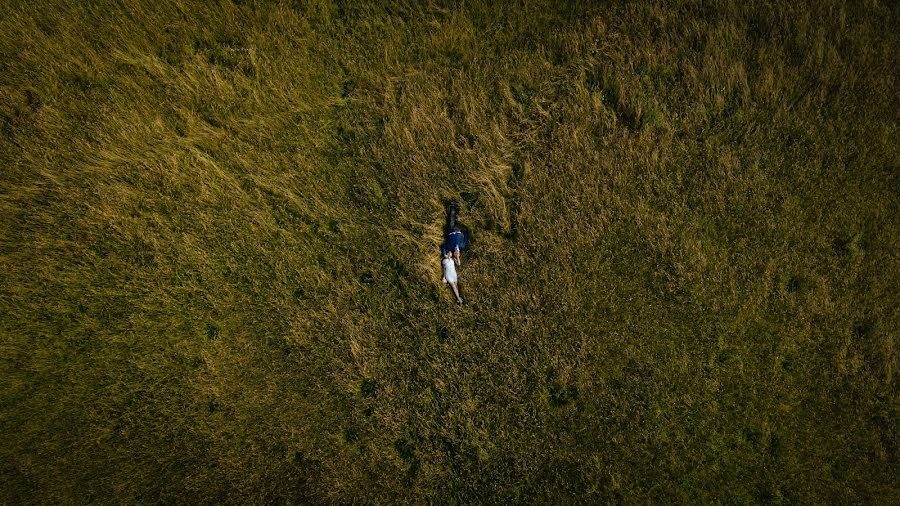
(448, 253)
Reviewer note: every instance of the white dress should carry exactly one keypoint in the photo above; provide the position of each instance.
(449, 270)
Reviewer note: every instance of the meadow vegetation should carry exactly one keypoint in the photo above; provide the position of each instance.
(219, 230)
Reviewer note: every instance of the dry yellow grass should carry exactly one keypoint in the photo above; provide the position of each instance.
(219, 228)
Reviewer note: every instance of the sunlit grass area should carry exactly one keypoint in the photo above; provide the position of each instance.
(220, 226)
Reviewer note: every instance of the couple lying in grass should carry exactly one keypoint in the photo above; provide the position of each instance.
(450, 251)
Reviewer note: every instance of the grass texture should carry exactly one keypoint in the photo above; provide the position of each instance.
(219, 230)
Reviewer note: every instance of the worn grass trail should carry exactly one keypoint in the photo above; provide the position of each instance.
(219, 228)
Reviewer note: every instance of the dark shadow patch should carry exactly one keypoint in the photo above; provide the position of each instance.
(561, 395)
(405, 448)
(351, 434)
(723, 357)
(758, 28)
(597, 81)
(367, 278)
(863, 329)
(33, 100)
(434, 294)
(787, 365)
(47, 27)
(466, 141)
(437, 400)
(212, 332)
(625, 115)
(616, 384)
(443, 334)
(399, 269)
(753, 438)
(83, 82)
(81, 343)
(841, 246)
(470, 199)
(558, 393)
(279, 448)
(764, 494)
(212, 406)
(795, 138)
(334, 226)
(514, 208)
(636, 369)
(179, 125)
(210, 117)
(368, 388)
(518, 173)
(775, 448)
(795, 284)
(347, 87)
(174, 49)
(22, 111)
(851, 245)
(298, 293)
(410, 478)
(642, 68)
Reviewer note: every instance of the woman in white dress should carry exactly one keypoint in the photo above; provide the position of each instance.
(450, 274)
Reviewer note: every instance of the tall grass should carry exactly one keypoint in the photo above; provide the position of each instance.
(220, 226)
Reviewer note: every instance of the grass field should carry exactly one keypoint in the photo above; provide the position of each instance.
(219, 231)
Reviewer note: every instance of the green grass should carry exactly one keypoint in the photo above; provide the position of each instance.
(219, 228)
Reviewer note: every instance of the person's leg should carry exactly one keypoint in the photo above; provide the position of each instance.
(456, 292)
